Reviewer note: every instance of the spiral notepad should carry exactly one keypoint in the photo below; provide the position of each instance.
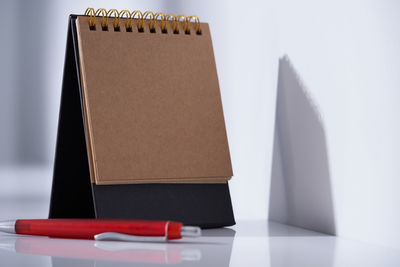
(141, 130)
(151, 97)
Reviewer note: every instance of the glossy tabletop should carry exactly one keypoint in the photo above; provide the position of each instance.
(252, 243)
(25, 194)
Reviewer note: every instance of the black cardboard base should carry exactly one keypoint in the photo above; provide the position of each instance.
(205, 205)
(71, 195)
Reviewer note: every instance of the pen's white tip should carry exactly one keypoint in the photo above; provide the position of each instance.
(7, 226)
(190, 231)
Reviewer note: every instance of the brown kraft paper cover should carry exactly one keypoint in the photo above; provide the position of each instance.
(152, 105)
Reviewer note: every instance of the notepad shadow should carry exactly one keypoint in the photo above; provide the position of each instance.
(301, 191)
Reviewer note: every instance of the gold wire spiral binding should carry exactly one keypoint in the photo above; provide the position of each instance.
(178, 18)
(140, 18)
(104, 18)
(163, 21)
(92, 19)
(152, 23)
(129, 19)
(117, 20)
(197, 24)
(186, 25)
(175, 28)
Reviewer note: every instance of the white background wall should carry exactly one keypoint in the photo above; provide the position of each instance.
(346, 52)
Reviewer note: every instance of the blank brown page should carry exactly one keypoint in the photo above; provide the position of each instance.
(152, 106)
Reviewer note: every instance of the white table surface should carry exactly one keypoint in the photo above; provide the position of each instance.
(252, 243)
(249, 243)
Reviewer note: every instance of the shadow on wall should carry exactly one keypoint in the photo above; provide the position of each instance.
(301, 192)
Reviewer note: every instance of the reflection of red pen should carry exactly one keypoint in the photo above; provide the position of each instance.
(110, 251)
(101, 229)
(160, 253)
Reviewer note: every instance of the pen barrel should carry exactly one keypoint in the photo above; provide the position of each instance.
(88, 228)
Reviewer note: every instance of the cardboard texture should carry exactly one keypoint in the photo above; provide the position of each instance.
(152, 106)
(192, 194)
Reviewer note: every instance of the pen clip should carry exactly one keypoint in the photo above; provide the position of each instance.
(111, 236)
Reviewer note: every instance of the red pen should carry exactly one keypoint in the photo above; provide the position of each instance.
(101, 229)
